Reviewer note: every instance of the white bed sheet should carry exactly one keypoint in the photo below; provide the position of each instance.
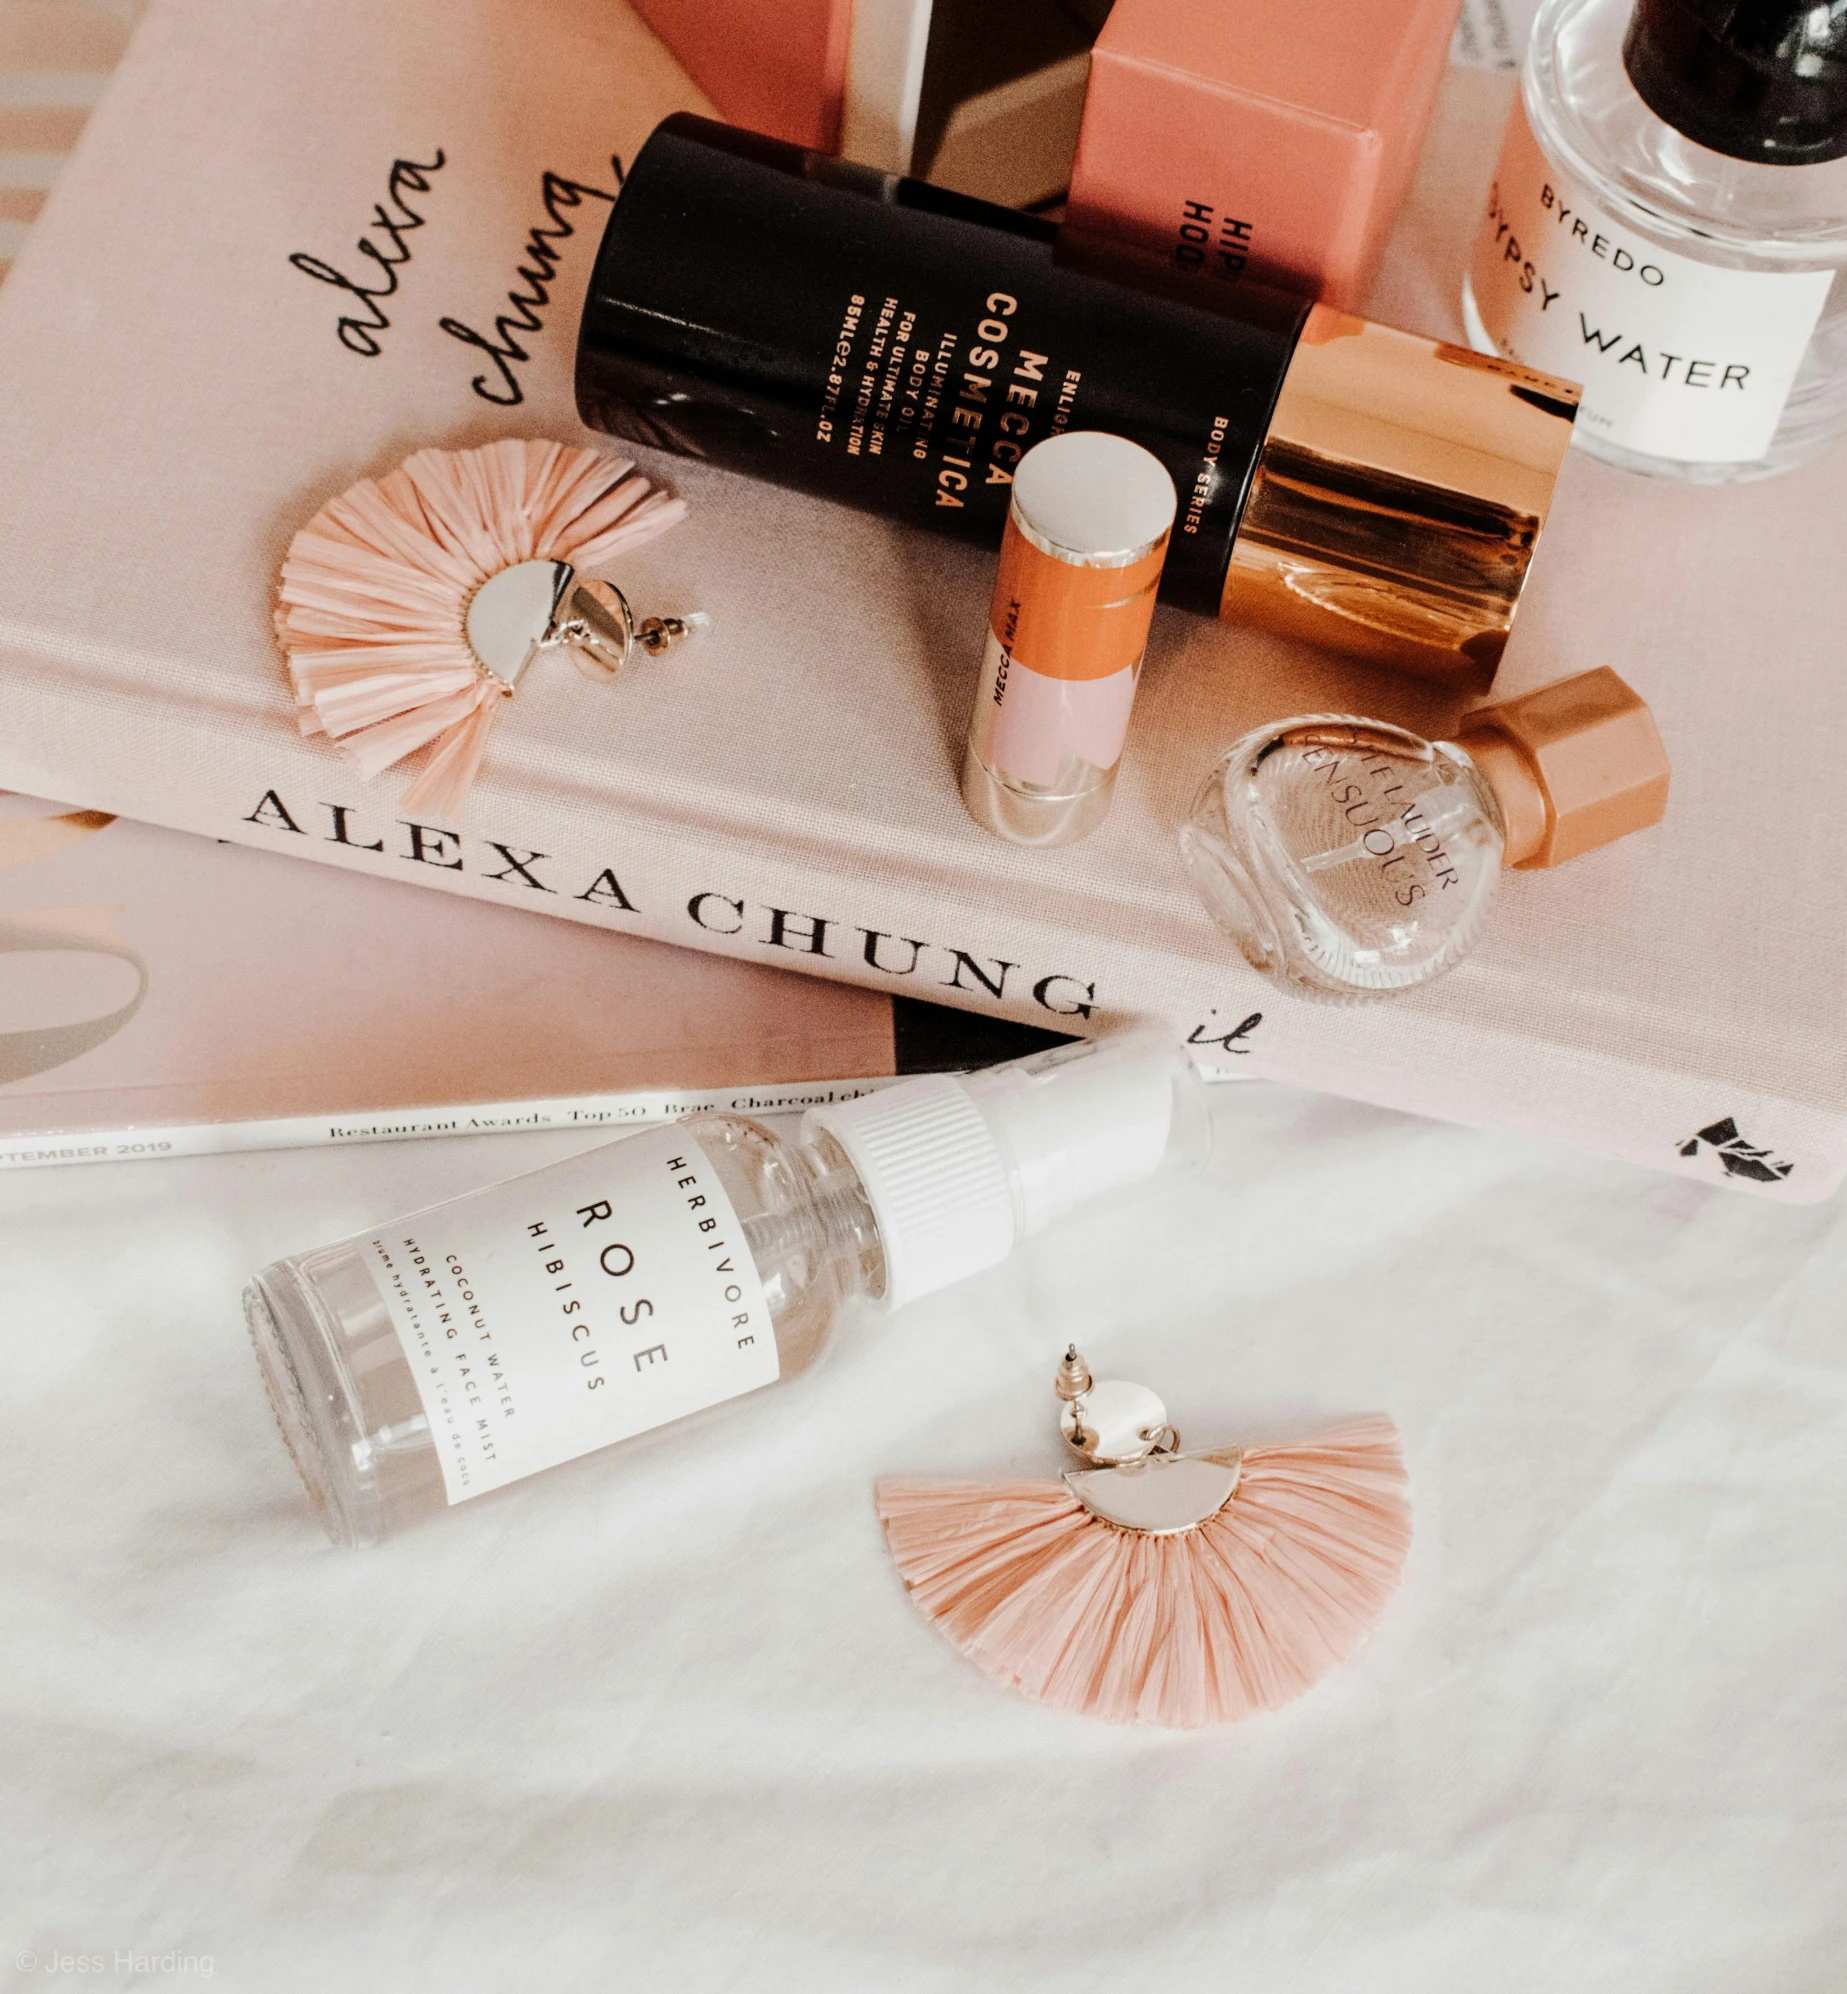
(665, 1718)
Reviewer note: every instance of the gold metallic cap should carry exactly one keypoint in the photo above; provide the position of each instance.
(1574, 765)
(1398, 499)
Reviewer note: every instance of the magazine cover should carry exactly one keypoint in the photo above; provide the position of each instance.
(162, 994)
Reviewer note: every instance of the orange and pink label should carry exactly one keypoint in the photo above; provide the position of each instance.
(1064, 652)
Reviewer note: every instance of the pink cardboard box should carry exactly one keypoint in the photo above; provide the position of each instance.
(1274, 139)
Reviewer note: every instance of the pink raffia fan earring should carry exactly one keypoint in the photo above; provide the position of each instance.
(1155, 1587)
(412, 604)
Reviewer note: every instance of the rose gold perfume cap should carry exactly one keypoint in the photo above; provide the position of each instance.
(1574, 765)
(1398, 499)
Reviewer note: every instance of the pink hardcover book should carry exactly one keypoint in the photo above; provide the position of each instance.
(164, 995)
(197, 352)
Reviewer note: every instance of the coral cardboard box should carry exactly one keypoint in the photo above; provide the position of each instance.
(1273, 139)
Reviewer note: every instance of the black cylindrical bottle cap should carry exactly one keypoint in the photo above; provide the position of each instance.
(1753, 79)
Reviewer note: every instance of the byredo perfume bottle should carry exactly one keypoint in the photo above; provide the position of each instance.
(898, 347)
(447, 1354)
(1668, 224)
(1350, 860)
(1079, 562)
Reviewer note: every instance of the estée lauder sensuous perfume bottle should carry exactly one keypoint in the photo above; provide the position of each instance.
(883, 342)
(1667, 226)
(444, 1355)
(1349, 859)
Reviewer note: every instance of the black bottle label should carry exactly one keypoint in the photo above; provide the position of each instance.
(883, 342)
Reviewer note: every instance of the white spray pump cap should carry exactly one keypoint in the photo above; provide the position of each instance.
(959, 1168)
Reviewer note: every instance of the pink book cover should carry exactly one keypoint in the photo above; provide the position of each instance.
(163, 994)
(180, 391)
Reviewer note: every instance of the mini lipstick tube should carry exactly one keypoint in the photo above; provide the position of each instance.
(1080, 560)
(886, 343)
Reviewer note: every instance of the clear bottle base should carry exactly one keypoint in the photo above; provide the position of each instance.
(1338, 895)
(1235, 902)
(293, 1354)
(1796, 443)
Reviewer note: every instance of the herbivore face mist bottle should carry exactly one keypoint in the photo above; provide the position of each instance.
(883, 342)
(440, 1357)
(1352, 860)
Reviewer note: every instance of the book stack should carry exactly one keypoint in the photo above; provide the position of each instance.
(167, 995)
(298, 242)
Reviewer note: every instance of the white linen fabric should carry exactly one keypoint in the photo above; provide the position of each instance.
(664, 1718)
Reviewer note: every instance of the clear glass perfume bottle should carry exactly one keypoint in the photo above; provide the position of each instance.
(445, 1355)
(1349, 859)
(1668, 224)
